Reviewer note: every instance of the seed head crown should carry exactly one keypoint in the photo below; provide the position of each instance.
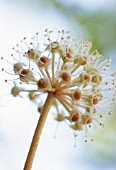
(68, 69)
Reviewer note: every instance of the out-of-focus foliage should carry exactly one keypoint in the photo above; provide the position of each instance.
(99, 26)
(106, 139)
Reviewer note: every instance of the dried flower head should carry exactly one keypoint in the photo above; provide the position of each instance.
(68, 70)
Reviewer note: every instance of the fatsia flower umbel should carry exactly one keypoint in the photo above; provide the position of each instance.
(73, 77)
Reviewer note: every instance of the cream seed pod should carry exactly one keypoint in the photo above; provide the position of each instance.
(67, 56)
(17, 68)
(43, 61)
(32, 95)
(32, 54)
(68, 76)
(77, 126)
(60, 117)
(53, 46)
(27, 76)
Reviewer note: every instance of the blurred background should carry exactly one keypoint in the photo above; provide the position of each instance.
(88, 19)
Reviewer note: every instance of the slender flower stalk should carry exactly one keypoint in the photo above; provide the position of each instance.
(73, 78)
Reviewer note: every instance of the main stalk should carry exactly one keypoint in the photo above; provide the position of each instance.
(38, 131)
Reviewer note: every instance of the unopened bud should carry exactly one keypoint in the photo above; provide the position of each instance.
(87, 77)
(89, 120)
(66, 77)
(15, 91)
(43, 84)
(75, 117)
(95, 100)
(96, 79)
(77, 95)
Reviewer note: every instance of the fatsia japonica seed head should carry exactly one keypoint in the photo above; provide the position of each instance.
(67, 68)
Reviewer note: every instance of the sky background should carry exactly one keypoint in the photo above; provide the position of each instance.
(18, 117)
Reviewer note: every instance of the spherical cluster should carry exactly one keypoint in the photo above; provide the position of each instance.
(77, 77)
